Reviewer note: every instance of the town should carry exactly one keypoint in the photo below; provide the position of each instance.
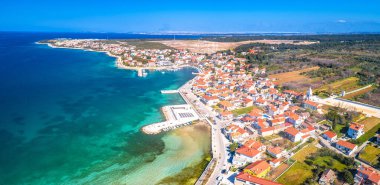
(261, 132)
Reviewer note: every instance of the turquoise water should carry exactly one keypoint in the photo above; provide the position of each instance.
(71, 117)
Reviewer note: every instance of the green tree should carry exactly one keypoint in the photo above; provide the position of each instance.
(348, 177)
(233, 147)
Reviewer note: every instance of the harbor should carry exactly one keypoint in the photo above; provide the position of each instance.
(176, 116)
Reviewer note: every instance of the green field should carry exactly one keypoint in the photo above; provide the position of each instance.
(304, 152)
(297, 174)
(368, 135)
(347, 84)
(244, 110)
(370, 154)
(329, 162)
(369, 122)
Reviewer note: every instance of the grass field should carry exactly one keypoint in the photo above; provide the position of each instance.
(368, 135)
(369, 123)
(241, 111)
(325, 160)
(339, 129)
(347, 84)
(358, 93)
(297, 174)
(304, 152)
(292, 76)
(370, 154)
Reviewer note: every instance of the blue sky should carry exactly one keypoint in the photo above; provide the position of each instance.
(190, 16)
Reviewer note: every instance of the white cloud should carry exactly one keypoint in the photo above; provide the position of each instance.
(342, 21)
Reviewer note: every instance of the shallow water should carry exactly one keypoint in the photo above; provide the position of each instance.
(71, 117)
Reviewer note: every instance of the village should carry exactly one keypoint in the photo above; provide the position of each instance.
(260, 131)
(265, 126)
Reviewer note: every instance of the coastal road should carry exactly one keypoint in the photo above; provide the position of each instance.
(218, 142)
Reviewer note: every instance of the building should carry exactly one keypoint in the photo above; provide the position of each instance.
(275, 152)
(258, 169)
(274, 163)
(329, 136)
(346, 147)
(246, 155)
(293, 134)
(246, 178)
(367, 175)
(327, 178)
(310, 105)
(355, 130)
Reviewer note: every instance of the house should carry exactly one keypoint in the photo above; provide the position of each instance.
(226, 105)
(235, 133)
(255, 145)
(294, 118)
(355, 130)
(274, 163)
(327, 178)
(346, 147)
(226, 115)
(246, 155)
(209, 100)
(367, 175)
(293, 134)
(329, 136)
(311, 105)
(246, 178)
(258, 168)
(275, 152)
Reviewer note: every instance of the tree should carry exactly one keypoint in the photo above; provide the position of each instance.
(233, 147)
(348, 177)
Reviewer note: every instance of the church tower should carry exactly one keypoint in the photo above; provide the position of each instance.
(309, 93)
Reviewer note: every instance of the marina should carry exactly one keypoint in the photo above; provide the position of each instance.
(176, 116)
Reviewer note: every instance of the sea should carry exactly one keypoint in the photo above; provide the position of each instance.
(70, 116)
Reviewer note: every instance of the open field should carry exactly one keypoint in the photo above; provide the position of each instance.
(297, 174)
(370, 154)
(358, 93)
(244, 110)
(202, 46)
(369, 123)
(368, 135)
(329, 162)
(304, 152)
(347, 84)
(292, 76)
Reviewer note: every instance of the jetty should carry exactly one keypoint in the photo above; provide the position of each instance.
(176, 116)
(169, 91)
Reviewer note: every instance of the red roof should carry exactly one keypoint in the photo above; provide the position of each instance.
(255, 180)
(356, 126)
(292, 131)
(314, 104)
(250, 152)
(258, 167)
(346, 144)
(330, 134)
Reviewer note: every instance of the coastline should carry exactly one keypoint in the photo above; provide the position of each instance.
(119, 62)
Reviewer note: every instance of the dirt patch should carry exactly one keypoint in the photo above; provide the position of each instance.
(292, 76)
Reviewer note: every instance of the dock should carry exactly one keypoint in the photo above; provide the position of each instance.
(176, 116)
(169, 91)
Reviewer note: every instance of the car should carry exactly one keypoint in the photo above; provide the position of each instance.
(224, 171)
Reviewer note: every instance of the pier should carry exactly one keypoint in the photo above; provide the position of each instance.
(169, 91)
(176, 116)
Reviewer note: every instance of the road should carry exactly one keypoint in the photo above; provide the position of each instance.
(366, 109)
(218, 143)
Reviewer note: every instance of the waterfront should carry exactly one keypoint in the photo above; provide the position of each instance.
(71, 117)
